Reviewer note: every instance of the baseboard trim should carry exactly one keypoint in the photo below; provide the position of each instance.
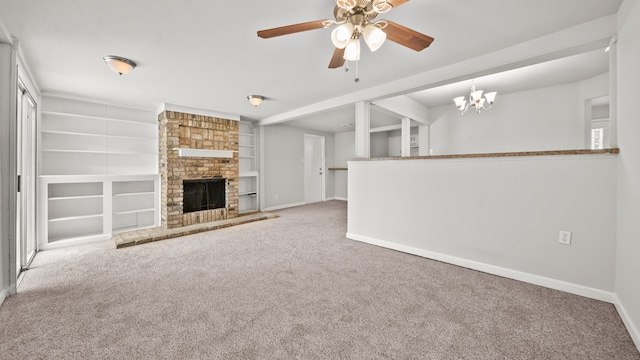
(492, 269)
(626, 319)
(74, 242)
(284, 206)
(341, 199)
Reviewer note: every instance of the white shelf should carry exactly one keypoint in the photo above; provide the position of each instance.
(133, 211)
(71, 115)
(79, 217)
(61, 198)
(133, 194)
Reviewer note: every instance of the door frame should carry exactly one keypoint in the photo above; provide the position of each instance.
(27, 150)
(310, 137)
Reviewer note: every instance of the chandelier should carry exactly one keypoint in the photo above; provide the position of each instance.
(476, 100)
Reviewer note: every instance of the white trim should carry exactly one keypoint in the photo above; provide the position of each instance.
(72, 242)
(280, 207)
(576, 289)
(626, 319)
(92, 100)
(3, 295)
(340, 198)
(189, 110)
(204, 153)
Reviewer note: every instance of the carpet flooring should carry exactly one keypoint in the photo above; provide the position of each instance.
(291, 288)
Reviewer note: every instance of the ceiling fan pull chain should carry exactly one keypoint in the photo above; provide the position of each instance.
(357, 79)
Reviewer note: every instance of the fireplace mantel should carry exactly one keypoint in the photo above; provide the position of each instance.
(204, 153)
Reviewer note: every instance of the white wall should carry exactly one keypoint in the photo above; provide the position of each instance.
(512, 124)
(628, 226)
(500, 215)
(345, 149)
(283, 170)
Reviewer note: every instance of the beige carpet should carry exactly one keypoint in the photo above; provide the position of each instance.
(291, 288)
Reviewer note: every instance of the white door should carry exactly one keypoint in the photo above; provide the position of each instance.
(314, 171)
(26, 199)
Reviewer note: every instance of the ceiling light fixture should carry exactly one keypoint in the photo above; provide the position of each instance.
(357, 24)
(255, 100)
(476, 100)
(119, 64)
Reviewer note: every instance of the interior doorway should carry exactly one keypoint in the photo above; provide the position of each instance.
(314, 168)
(26, 242)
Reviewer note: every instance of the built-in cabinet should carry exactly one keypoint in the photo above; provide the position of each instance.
(98, 171)
(85, 208)
(248, 182)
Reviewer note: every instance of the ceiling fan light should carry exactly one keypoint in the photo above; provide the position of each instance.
(374, 37)
(491, 97)
(119, 64)
(341, 35)
(352, 50)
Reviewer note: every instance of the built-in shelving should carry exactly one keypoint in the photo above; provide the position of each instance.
(98, 171)
(85, 208)
(248, 180)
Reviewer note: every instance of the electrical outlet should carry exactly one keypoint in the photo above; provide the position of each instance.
(565, 237)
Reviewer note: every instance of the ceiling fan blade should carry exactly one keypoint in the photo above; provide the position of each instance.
(407, 37)
(337, 60)
(396, 3)
(291, 29)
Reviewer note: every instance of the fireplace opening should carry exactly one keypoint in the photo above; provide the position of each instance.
(204, 194)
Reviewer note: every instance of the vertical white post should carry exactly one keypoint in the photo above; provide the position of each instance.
(405, 149)
(613, 93)
(363, 127)
(107, 207)
(8, 175)
(424, 140)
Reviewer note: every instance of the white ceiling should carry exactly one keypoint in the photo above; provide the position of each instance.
(206, 54)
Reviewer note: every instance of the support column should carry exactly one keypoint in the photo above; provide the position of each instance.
(613, 93)
(363, 127)
(405, 148)
(8, 176)
(424, 140)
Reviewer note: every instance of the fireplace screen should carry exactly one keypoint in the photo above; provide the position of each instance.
(205, 194)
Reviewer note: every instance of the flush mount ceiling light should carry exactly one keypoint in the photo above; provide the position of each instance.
(119, 64)
(255, 100)
(476, 100)
(355, 19)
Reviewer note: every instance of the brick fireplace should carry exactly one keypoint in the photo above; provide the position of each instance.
(194, 147)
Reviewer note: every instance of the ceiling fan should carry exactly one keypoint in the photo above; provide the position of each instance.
(354, 19)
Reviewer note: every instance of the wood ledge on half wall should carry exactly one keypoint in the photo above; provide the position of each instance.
(505, 154)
